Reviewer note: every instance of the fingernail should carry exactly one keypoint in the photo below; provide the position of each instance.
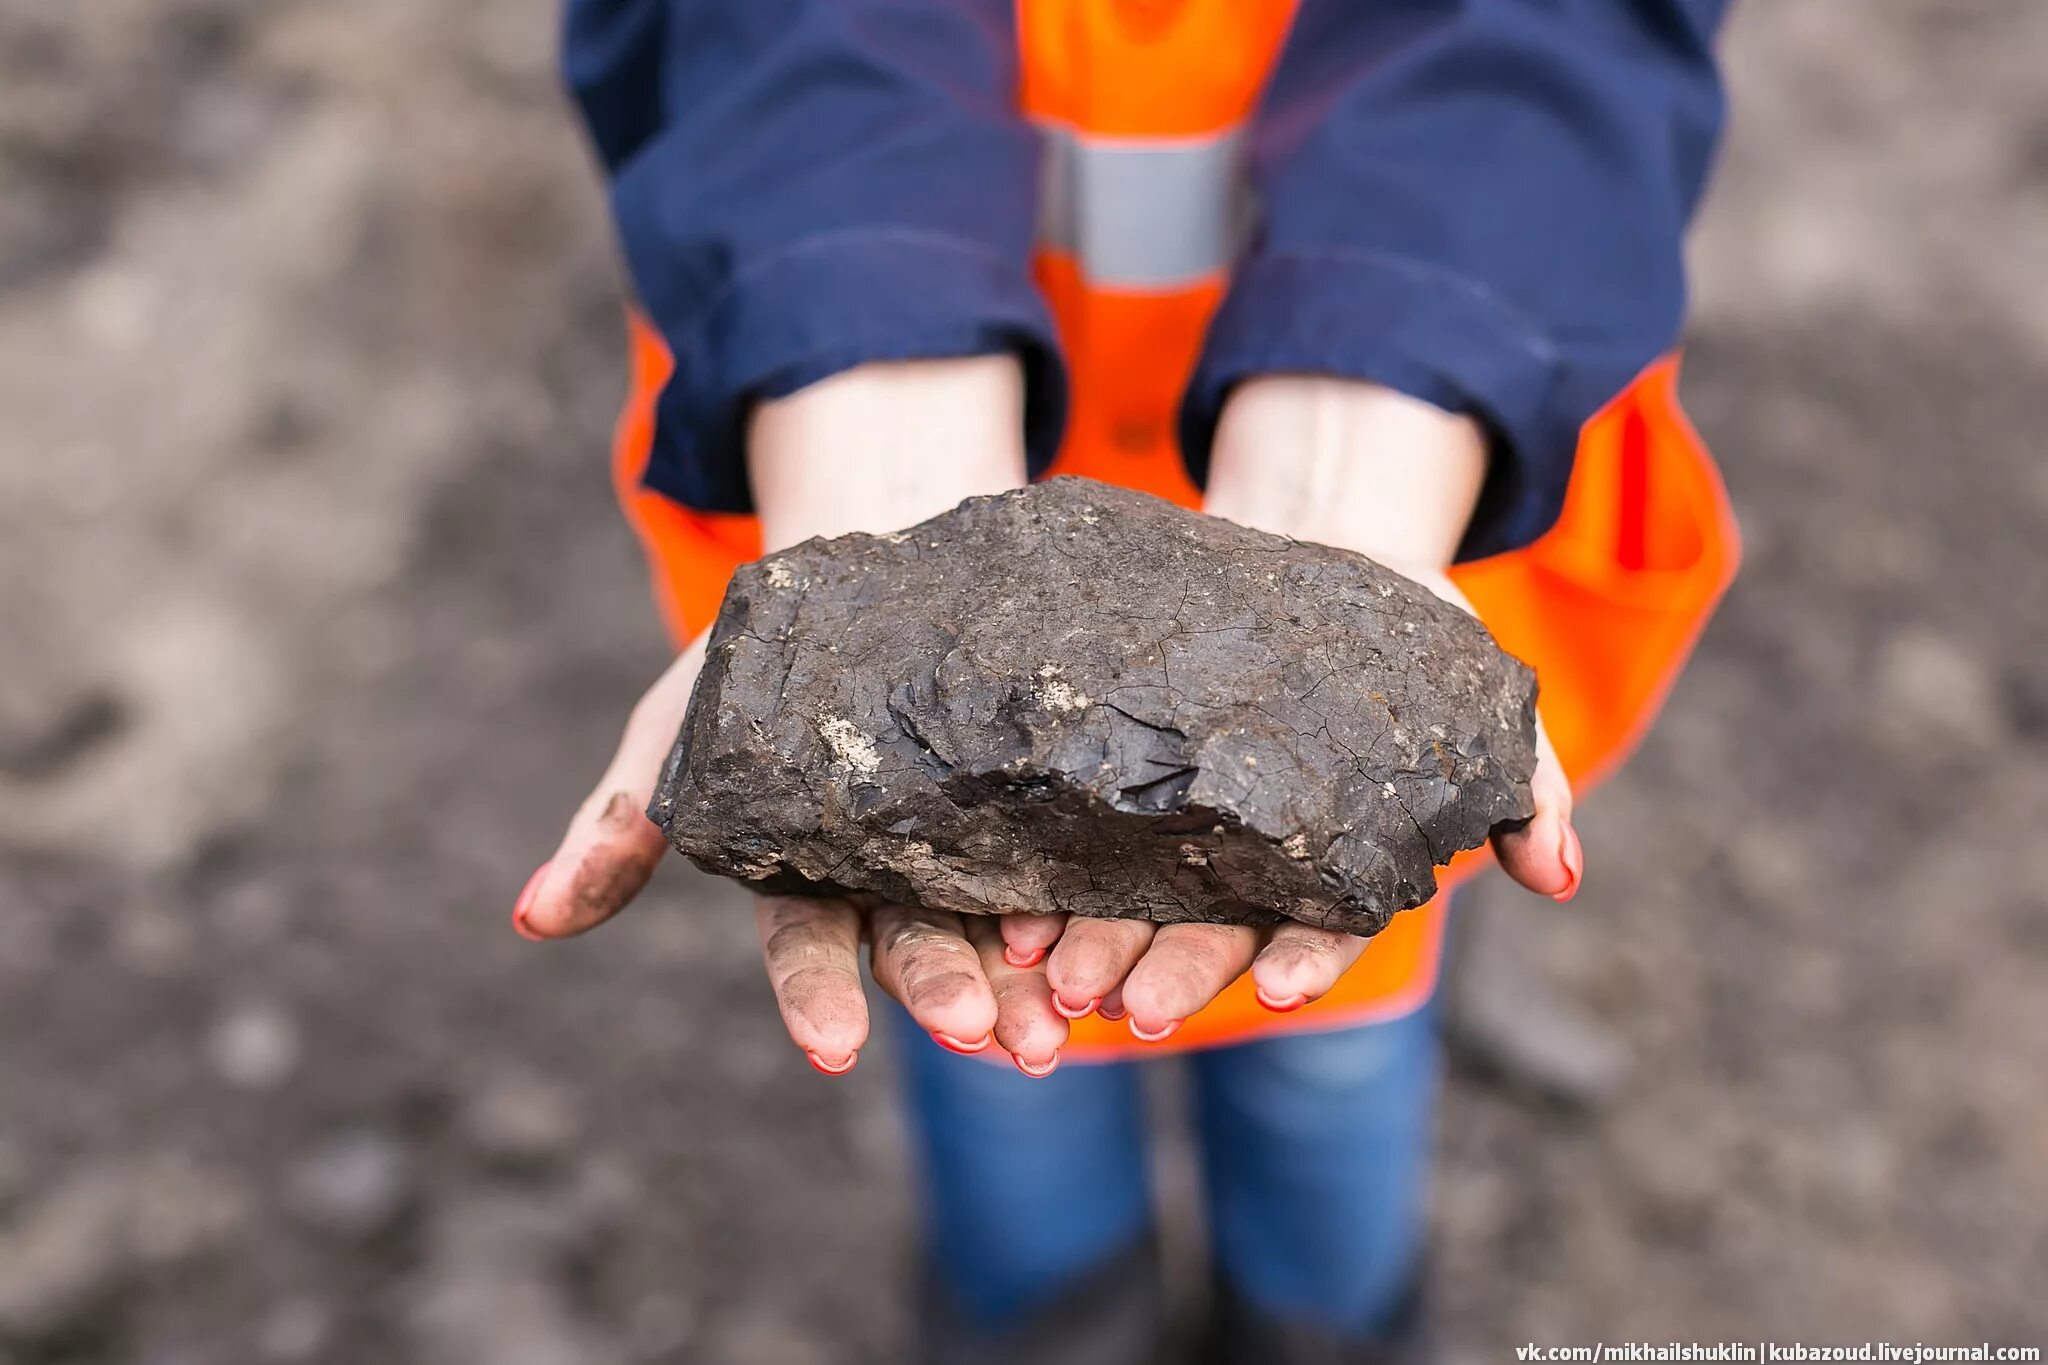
(1285, 1004)
(1113, 1013)
(1037, 1073)
(520, 906)
(1164, 1033)
(1574, 859)
(820, 1063)
(952, 1044)
(1030, 959)
(1068, 1012)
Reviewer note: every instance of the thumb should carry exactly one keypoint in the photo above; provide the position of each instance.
(1544, 855)
(611, 848)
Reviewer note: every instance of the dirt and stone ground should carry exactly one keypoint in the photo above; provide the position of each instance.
(315, 617)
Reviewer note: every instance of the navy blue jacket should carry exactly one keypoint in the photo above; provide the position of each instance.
(1478, 202)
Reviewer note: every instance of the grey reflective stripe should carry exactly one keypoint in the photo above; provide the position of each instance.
(1143, 214)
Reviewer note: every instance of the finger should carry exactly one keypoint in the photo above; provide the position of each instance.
(611, 848)
(1544, 854)
(1186, 967)
(1027, 1026)
(1112, 1006)
(1300, 963)
(1092, 959)
(923, 959)
(1027, 938)
(812, 952)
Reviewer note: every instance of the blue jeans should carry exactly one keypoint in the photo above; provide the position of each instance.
(1316, 1155)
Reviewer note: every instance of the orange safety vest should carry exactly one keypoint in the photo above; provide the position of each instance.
(1606, 606)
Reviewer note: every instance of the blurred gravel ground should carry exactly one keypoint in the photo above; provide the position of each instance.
(316, 617)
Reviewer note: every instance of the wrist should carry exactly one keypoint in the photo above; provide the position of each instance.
(1348, 463)
(886, 444)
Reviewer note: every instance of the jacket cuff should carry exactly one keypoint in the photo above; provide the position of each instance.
(1413, 327)
(827, 304)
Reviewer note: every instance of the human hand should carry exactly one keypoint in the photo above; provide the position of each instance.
(873, 449)
(1364, 468)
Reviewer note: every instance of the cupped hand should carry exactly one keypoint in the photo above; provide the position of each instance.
(871, 449)
(1359, 466)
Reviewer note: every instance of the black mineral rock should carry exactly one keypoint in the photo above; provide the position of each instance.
(1075, 697)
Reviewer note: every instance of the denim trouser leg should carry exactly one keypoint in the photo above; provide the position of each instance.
(1316, 1154)
(1027, 1185)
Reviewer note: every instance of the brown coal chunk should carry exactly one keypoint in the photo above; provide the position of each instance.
(1075, 697)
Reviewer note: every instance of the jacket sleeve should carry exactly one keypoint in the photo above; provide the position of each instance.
(1480, 203)
(801, 186)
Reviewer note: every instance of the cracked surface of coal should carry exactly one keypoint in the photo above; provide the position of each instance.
(1076, 697)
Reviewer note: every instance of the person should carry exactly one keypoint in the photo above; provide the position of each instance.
(1397, 277)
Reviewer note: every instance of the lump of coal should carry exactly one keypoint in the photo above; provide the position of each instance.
(1075, 697)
